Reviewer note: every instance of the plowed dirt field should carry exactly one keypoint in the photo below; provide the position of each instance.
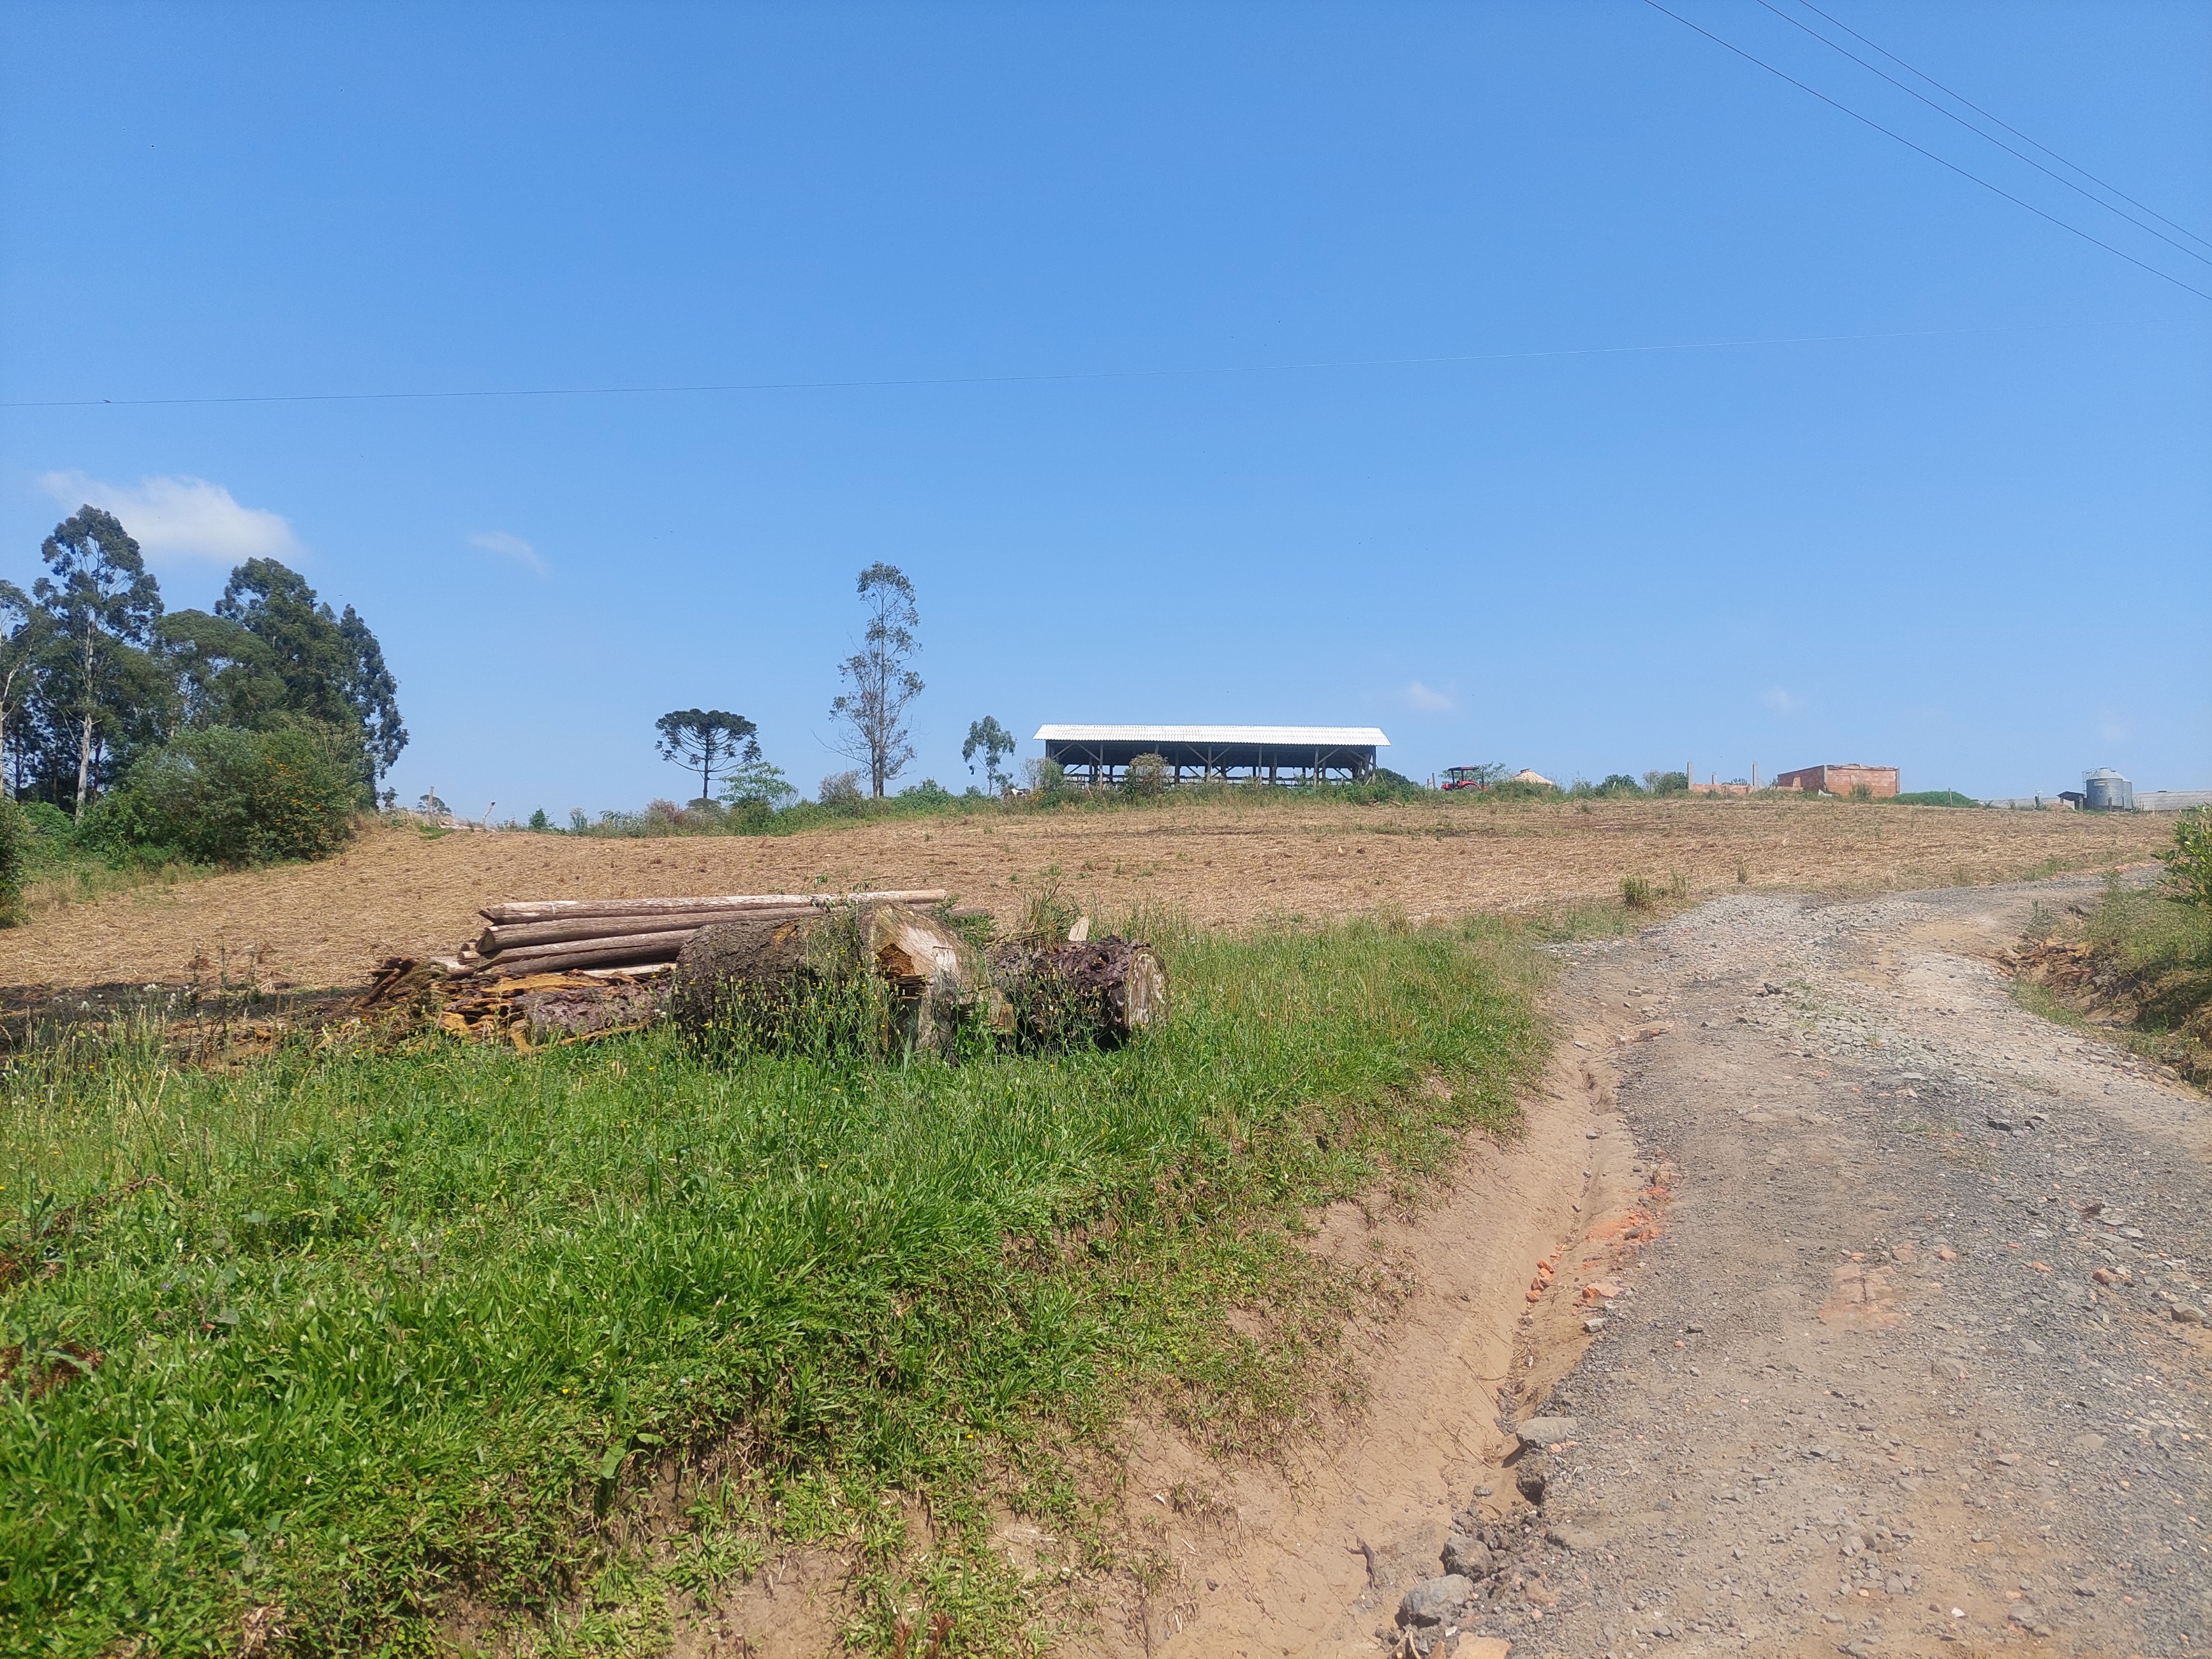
(398, 891)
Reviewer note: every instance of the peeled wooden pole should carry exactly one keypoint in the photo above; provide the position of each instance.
(661, 945)
(575, 929)
(532, 910)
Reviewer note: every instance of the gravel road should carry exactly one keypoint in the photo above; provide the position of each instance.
(1916, 1363)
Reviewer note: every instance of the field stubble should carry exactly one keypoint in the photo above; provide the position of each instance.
(1219, 863)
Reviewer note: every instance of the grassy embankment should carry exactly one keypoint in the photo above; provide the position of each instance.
(333, 1342)
(2138, 963)
(59, 870)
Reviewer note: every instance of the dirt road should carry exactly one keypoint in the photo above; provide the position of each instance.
(1918, 1360)
(1915, 1364)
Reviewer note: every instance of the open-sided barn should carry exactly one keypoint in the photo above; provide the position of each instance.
(1270, 754)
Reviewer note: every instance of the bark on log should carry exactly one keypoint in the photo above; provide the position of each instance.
(1104, 990)
(556, 909)
(765, 947)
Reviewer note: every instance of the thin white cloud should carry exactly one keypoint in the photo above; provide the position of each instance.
(2114, 728)
(1780, 701)
(1434, 702)
(508, 545)
(174, 517)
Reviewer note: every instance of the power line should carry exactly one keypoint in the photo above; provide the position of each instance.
(2008, 126)
(1951, 115)
(1868, 120)
(1072, 376)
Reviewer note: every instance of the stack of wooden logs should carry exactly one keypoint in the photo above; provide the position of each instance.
(570, 970)
(563, 935)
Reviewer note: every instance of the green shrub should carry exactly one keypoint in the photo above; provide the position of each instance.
(16, 834)
(1514, 789)
(1147, 777)
(230, 796)
(1047, 779)
(1935, 798)
(2189, 861)
(1636, 892)
(45, 818)
(1382, 784)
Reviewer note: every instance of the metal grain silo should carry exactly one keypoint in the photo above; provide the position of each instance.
(2108, 792)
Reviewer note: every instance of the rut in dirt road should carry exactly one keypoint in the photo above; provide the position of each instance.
(1917, 1362)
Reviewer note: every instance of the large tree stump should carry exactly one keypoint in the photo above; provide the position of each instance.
(882, 977)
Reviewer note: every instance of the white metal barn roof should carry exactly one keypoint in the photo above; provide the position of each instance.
(1332, 737)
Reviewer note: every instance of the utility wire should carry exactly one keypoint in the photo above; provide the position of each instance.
(1975, 178)
(2007, 125)
(1027, 379)
(1951, 115)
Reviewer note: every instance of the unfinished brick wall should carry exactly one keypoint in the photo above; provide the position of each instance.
(1879, 781)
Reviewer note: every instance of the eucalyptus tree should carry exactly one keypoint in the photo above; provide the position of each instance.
(99, 685)
(994, 741)
(881, 676)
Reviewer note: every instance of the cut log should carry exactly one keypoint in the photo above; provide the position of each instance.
(1104, 990)
(556, 909)
(748, 970)
(771, 945)
(935, 974)
(570, 930)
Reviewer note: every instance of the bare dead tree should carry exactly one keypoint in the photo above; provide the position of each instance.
(883, 684)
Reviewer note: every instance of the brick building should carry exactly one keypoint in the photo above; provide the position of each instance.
(1879, 781)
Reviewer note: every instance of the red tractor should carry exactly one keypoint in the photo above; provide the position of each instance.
(1469, 777)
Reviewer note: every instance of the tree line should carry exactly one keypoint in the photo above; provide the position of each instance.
(870, 716)
(147, 720)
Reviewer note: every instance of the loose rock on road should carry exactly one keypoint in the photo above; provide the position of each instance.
(1916, 1363)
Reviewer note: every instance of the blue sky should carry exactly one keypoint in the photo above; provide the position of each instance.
(1199, 363)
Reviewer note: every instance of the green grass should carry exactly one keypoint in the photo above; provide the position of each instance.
(2149, 968)
(59, 871)
(928, 800)
(377, 1332)
(1933, 798)
(2153, 953)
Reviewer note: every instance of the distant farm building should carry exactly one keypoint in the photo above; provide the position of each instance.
(1268, 754)
(1879, 781)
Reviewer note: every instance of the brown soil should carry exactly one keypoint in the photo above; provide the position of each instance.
(1309, 1558)
(397, 892)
